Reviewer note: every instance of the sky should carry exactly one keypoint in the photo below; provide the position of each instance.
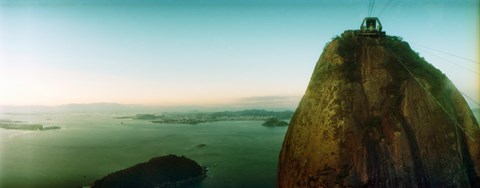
(207, 52)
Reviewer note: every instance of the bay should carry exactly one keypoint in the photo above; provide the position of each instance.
(89, 146)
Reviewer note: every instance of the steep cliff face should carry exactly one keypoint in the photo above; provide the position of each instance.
(366, 121)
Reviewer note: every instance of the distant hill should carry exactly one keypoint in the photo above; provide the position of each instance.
(274, 103)
(203, 117)
(90, 107)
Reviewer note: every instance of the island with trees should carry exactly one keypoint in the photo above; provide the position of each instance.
(165, 171)
(275, 122)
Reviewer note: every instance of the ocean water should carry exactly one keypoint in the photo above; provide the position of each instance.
(89, 146)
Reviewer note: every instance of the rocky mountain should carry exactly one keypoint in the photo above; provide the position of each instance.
(376, 114)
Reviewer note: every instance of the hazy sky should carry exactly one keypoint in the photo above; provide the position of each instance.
(205, 51)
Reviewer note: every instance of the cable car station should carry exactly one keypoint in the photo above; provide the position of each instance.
(371, 27)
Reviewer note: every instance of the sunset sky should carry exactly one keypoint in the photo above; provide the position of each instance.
(206, 52)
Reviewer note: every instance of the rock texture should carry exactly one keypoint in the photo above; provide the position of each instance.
(160, 172)
(365, 121)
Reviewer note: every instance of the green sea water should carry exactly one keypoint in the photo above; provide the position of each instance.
(89, 146)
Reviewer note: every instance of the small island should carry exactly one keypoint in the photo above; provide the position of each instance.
(275, 122)
(165, 171)
(21, 125)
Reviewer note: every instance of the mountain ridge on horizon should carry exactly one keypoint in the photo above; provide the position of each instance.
(275, 103)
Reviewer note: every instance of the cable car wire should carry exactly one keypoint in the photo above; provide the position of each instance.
(385, 7)
(434, 99)
(371, 5)
(469, 98)
(446, 60)
(465, 68)
(370, 11)
(450, 54)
